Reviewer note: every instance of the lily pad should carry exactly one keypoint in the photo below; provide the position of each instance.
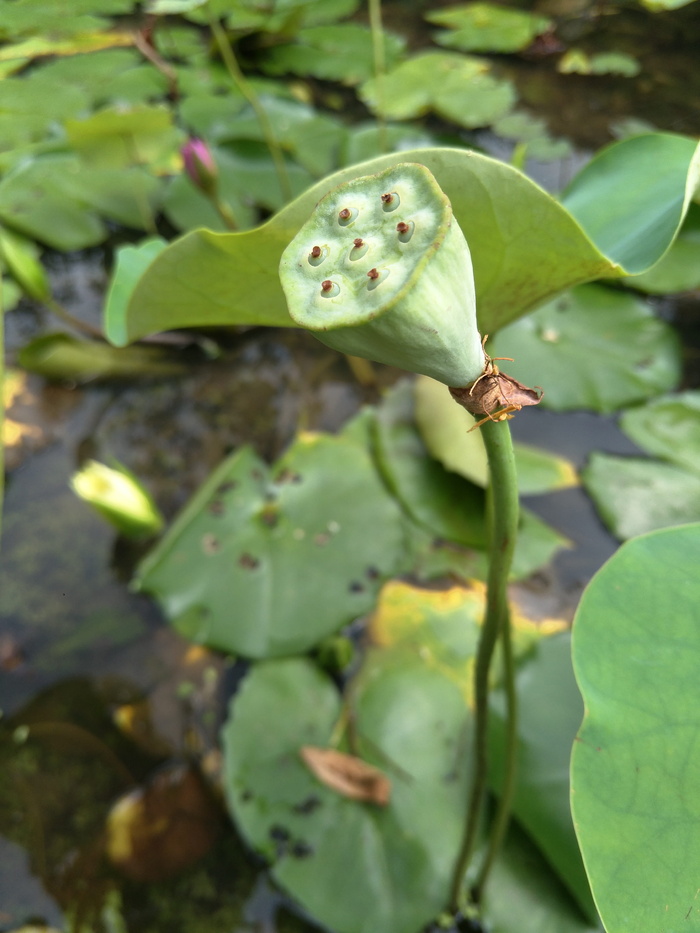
(636, 758)
(332, 53)
(486, 27)
(354, 866)
(457, 87)
(129, 263)
(635, 496)
(575, 61)
(668, 428)
(593, 348)
(247, 565)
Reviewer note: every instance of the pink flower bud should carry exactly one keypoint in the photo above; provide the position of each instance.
(200, 165)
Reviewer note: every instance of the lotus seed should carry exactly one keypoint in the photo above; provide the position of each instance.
(329, 289)
(316, 250)
(358, 242)
(372, 274)
(346, 216)
(317, 255)
(405, 230)
(390, 201)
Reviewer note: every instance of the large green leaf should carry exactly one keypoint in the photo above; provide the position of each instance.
(635, 496)
(631, 208)
(205, 278)
(267, 561)
(636, 759)
(355, 866)
(592, 347)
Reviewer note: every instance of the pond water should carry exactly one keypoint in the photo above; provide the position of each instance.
(98, 695)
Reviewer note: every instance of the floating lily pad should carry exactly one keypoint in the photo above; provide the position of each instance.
(635, 496)
(129, 263)
(354, 866)
(668, 428)
(486, 27)
(592, 347)
(457, 87)
(267, 561)
(58, 200)
(575, 61)
(332, 53)
(116, 138)
(636, 760)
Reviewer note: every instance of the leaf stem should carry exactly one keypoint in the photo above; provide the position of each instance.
(64, 315)
(502, 510)
(243, 85)
(505, 800)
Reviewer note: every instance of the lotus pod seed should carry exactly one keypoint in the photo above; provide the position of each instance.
(317, 255)
(406, 295)
(329, 289)
(405, 230)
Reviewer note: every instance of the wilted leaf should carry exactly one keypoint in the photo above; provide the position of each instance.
(348, 775)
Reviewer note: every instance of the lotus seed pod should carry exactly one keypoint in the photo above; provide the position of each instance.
(382, 270)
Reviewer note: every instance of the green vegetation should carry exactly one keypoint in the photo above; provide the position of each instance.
(298, 165)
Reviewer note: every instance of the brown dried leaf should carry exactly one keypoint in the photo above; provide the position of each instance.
(347, 775)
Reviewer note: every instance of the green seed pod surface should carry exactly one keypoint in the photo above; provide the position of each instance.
(382, 270)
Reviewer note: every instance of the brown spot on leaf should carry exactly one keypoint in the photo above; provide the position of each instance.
(248, 562)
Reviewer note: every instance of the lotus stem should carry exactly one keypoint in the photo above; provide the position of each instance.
(502, 510)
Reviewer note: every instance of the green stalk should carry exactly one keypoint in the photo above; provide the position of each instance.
(505, 801)
(503, 525)
(375, 25)
(243, 85)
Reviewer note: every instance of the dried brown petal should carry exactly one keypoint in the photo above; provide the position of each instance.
(347, 775)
